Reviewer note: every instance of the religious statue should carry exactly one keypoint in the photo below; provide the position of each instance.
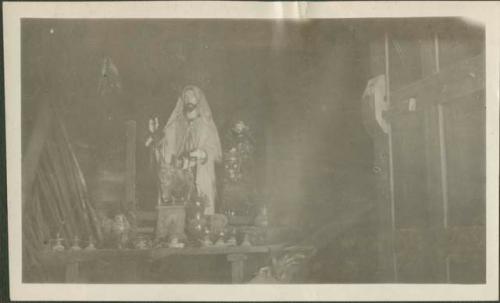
(191, 142)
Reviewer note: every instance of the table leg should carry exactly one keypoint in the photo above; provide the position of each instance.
(237, 267)
(133, 271)
(72, 272)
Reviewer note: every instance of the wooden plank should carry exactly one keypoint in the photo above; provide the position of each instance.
(434, 235)
(391, 149)
(391, 239)
(165, 252)
(64, 257)
(237, 267)
(463, 78)
(410, 190)
(439, 87)
(443, 164)
(72, 272)
(464, 134)
(386, 256)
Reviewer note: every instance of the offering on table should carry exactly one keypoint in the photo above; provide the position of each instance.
(121, 230)
(75, 245)
(58, 246)
(206, 239)
(246, 240)
(218, 223)
(91, 245)
(220, 241)
(232, 239)
(142, 243)
(174, 243)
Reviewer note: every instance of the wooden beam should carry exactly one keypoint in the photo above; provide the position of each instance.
(460, 79)
(434, 233)
(237, 267)
(392, 239)
(391, 163)
(386, 253)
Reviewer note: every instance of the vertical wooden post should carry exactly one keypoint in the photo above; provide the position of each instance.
(237, 267)
(444, 179)
(130, 166)
(385, 213)
(391, 162)
(434, 235)
(72, 272)
(442, 143)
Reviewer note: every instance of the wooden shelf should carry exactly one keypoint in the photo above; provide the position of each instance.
(155, 253)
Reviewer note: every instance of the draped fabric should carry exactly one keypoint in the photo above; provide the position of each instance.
(179, 125)
(182, 135)
(58, 201)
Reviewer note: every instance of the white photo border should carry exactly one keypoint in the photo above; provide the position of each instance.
(485, 13)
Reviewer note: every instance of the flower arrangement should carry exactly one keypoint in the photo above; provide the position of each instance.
(238, 155)
(239, 171)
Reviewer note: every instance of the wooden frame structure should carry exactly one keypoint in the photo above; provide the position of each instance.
(422, 248)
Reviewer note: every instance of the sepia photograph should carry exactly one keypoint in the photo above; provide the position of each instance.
(220, 151)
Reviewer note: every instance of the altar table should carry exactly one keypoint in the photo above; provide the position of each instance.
(236, 256)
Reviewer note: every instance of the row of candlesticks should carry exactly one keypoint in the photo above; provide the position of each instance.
(206, 241)
(75, 245)
(200, 232)
(221, 242)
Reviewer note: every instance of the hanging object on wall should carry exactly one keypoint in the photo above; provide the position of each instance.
(111, 110)
(109, 81)
(375, 104)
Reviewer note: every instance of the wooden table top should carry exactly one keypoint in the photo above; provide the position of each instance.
(153, 253)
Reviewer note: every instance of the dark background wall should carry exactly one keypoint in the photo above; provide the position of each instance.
(297, 84)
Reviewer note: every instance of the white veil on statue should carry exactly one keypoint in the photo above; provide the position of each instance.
(178, 116)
